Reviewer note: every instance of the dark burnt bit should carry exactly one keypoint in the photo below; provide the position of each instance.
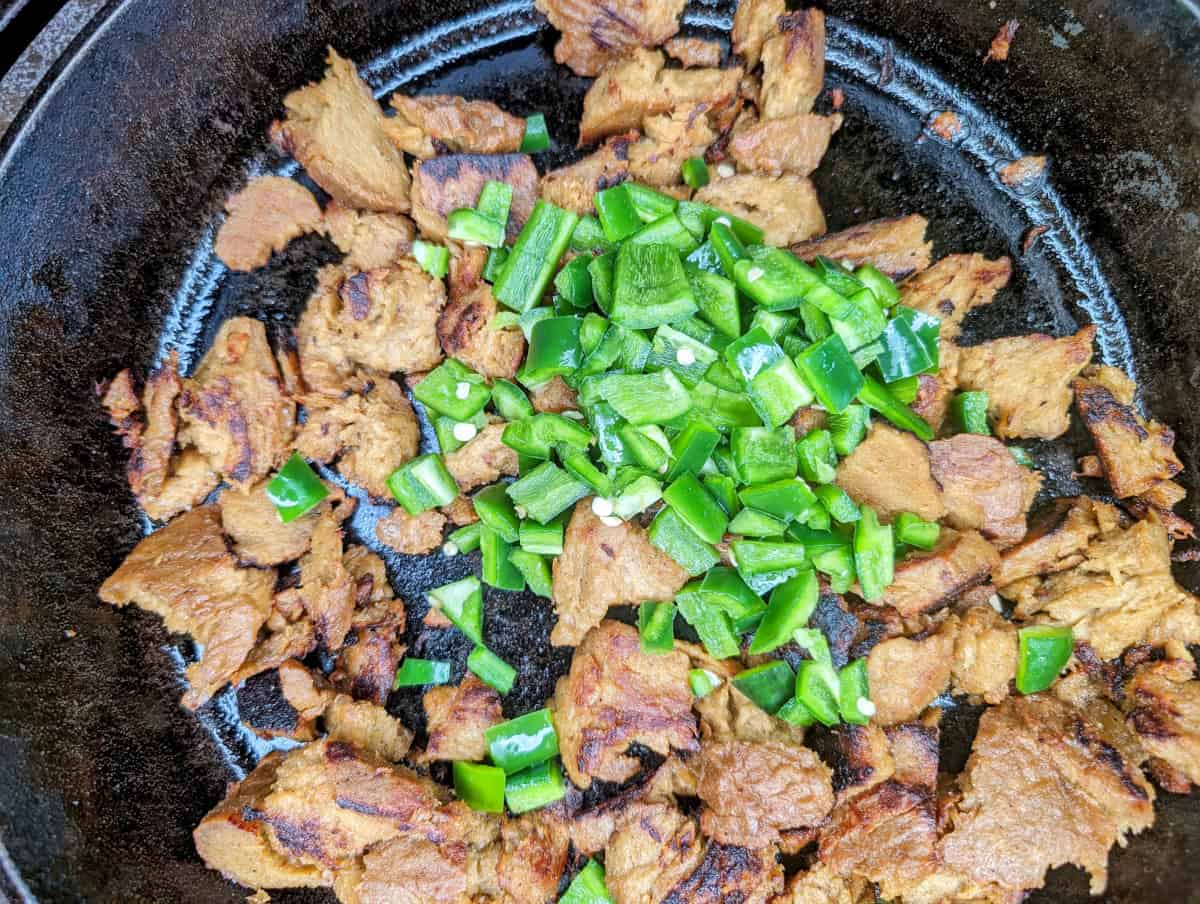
(355, 294)
(849, 750)
(1114, 674)
(1100, 407)
(1002, 42)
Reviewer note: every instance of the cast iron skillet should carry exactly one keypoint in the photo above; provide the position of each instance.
(109, 181)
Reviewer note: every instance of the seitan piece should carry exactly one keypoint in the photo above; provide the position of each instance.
(482, 460)
(1028, 380)
(259, 537)
(236, 846)
(887, 834)
(1162, 705)
(445, 184)
(554, 397)
(1046, 785)
(784, 207)
(573, 186)
(262, 218)
(788, 144)
(369, 434)
(1055, 541)
(753, 22)
(326, 588)
(457, 124)
(411, 535)
(384, 320)
(907, 674)
(165, 481)
(753, 791)
(890, 471)
(694, 53)
(935, 392)
(184, 574)
(896, 246)
(793, 60)
(466, 332)
(338, 133)
(1137, 454)
(596, 33)
(985, 654)
(983, 487)
(1121, 594)
(234, 409)
(457, 716)
(601, 567)
(925, 581)
(368, 239)
(669, 140)
(368, 727)
(648, 856)
(954, 286)
(615, 695)
(731, 873)
(638, 86)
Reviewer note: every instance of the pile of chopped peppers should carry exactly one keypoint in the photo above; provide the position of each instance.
(690, 345)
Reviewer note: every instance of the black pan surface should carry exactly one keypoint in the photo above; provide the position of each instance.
(109, 184)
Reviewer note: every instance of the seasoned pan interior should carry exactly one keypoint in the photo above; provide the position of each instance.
(882, 163)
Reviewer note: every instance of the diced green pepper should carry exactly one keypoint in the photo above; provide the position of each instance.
(554, 350)
(666, 230)
(694, 172)
(448, 431)
(874, 555)
(716, 297)
(884, 289)
(617, 215)
(523, 279)
(724, 490)
(788, 499)
(656, 627)
(433, 259)
(762, 455)
(601, 270)
(854, 693)
(480, 786)
(818, 460)
(491, 669)
(415, 672)
(848, 428)
(510, 401)
(703, 682)
(496, 510)
(453, 389)
(728, 247)
(914, 531)
(536, 137)
(697, 508)
(759, 557)
(830, 372)
(461, 601)
(1021, 457)
(471, 227)
(588, 236)
(838, 565)
(423, 483)
(670, 533)
(875, 396)
(774, 279)
(795, 713)
(574, 282)
(791, 606)
(588, 887)
(495, 260)
(722, 408)
(1042, 654)
(652, 398)
(711, 624)
(546, 491)
(465, 539)
(753, 523)
(774, 324)
(296, 489)
(498, 571)
(522, 742)
(817, 687)
(636, 497)
(579, 466)
(543, 539)
(535, 787)
(535, 570)
(910, 345)
(769, 685)
(864, 324)
(691, 448)
(838, 503)
(724, 588)
(649, 287)
(970, 412)
(836, 276)
(776, 388)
